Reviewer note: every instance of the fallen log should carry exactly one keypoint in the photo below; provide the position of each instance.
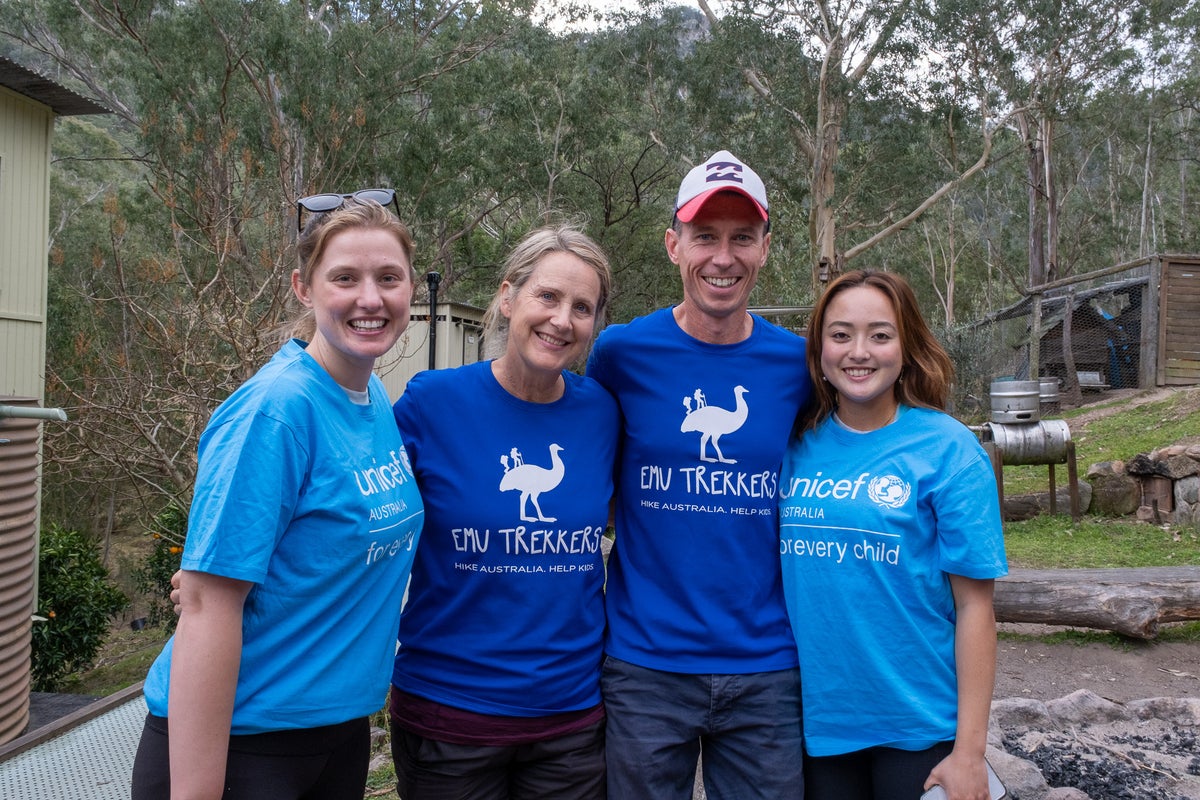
(1132, 601)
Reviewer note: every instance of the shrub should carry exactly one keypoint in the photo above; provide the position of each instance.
(153, 577)
(76, 602)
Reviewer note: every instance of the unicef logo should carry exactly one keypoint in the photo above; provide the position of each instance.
(889, 491)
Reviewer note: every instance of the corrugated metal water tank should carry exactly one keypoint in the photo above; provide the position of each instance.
(18, 568)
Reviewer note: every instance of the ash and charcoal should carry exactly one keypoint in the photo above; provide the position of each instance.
(1065, 762)
(1085, 745)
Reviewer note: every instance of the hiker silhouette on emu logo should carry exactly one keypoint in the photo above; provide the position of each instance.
(712, 422)
(531, 480)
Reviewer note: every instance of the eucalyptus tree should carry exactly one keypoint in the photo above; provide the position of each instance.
(1165, 110)
(1042, 60)
(230, 110)
(817, 64)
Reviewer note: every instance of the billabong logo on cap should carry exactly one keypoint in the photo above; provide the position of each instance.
(724, 171)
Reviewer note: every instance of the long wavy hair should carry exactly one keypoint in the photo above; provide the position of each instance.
(321, 228)
(520, 266)
(926, 370)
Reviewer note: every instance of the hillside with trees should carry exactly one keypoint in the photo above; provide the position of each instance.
(977, 146)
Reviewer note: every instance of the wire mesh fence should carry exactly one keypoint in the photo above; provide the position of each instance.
(1131, 325)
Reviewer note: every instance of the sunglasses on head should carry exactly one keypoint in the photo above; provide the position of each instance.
(332, 201)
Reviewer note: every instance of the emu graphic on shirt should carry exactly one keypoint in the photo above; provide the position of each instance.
(712, 422)
(531, 480)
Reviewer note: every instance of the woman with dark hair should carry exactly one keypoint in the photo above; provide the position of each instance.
(496, 688)
(891, 539)
(300, 540)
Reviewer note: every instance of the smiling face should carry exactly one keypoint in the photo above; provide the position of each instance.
(861, 356)
(719, 254)
(551, 318)
(360, 292)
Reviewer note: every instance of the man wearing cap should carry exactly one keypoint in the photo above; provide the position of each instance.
(699, 652)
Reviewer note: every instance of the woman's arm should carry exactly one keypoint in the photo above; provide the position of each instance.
(962, 773)
(204, 671)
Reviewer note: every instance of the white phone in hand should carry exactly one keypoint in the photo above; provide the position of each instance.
(995, 788)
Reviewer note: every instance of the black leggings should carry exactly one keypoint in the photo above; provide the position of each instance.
(877, 773)
(326, 763)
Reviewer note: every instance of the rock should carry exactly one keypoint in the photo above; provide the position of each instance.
(1175, 710)
(1179, 466)
(1084, 706)
(1141, 464)
(1067, 793)
(1027, 506)
(1105, 468)
(1183, 513)
(1014, 711)
(1091, 747)
(1167, 466)
(1187, 490)
(1020, 777)
(1114, 494)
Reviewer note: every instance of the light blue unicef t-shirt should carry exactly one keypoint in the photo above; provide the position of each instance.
(871, 525)
(311, 498)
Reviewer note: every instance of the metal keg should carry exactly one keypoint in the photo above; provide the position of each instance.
(1015, 401)
(1043, 442)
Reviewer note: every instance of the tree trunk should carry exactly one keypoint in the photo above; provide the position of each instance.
(1132, 602)
(1050, 188)
(1035, 195)
(822, 225)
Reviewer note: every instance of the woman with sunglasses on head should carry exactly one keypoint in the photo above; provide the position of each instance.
(496, 688)
(890, 538)
(301, 536)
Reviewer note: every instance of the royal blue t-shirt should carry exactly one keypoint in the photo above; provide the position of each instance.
(310, 497)
(694, 583)
(871, 526)
(505, 613)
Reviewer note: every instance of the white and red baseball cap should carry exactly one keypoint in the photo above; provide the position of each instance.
(722, 172)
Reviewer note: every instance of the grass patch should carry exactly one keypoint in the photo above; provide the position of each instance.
(1179, 632)
(1072, 636)
(1055, 542)
(124, 660)
(381, 782)
(1138, 429)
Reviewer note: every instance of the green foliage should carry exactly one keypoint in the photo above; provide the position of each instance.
(1170, 632)
(153, 577)
(1138, 428)
(1054, 542)
(171, 219)
(75, 605)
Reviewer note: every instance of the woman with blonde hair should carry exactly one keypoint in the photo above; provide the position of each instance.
(496, 687)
